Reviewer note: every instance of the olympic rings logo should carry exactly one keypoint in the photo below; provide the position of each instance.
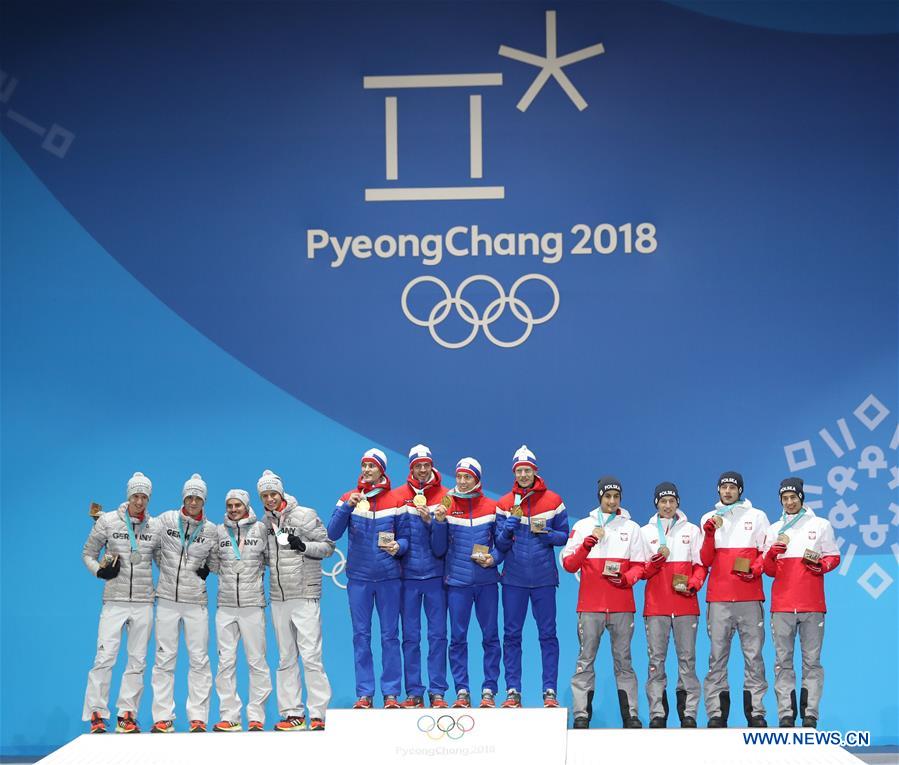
(338, 569)
(520, 310)
(445, 726)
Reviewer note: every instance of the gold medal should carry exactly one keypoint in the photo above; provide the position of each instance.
(663, 550)
(718, 521)
(363, 505)
(447, 501)
(515, 512)
(419, 500)
(783, 539)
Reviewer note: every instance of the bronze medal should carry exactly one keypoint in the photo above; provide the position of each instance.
(419, 500)
(663, 550)
(783, 539)
(718, 521)
(599, 532)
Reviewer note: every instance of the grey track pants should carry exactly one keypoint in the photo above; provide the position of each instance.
(688, 690)
(810, 627)
(590, 627)
(747, 619)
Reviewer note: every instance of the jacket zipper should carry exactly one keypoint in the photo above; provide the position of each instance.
(238, 573)
(277, 561)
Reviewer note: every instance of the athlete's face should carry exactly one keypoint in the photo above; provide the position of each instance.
(421, 471)
(235, 510)
(729, 493)
(667, 507)
(610, 501)
(791, 502)
(465, 481)
(272, 500)
(193, 506)
(371, 472)
(524, 476)
(137, 503)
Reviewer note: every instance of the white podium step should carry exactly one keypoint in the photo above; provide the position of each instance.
(392, 737)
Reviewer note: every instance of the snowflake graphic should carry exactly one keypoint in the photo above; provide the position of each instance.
(867, 469)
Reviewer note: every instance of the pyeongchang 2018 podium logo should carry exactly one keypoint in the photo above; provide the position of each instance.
(479, 301)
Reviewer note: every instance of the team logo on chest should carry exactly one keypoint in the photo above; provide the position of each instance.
(623, 536)
(812, 534)
(747, 525)
(685, 539)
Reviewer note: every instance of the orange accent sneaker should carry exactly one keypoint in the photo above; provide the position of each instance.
(413, 702)
(390, 702)
(127, 724)
(513, 700)
(98, 724)
(162, 726)
(463, 700)
(364, 702)
(224, 726)
(549, 699)
(487, 700)
(255, 725)
(291, 723)
(437, 701)
(316, 723)
(197, 726)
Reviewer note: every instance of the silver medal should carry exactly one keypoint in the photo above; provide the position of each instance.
(281, 538)
(135, 557)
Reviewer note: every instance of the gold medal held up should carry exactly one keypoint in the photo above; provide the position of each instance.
(447, 502)
(363, 505)
(515, 512)
(419, 500)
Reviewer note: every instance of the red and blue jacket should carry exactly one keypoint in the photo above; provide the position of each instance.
(419, 562)
(470, 521)
(530, 558)
(366, 561)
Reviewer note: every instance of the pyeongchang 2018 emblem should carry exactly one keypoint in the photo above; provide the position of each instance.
(438, 727)
(550, 65)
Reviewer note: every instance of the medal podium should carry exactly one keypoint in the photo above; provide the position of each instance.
(450, 735)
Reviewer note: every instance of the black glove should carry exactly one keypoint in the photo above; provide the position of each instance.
(109, 572)
(203, 572)
(295, 543)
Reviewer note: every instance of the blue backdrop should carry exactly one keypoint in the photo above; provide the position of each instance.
(194, 280)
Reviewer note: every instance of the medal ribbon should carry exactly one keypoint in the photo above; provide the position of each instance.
(728, 508)
(520, 499)
(787, 526)
(608, 518)
(131, 540)
(238, 548)
(181, 533)
(464, 495)
(373, 492)
(663, 539)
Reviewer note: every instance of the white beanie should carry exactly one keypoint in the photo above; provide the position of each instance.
(139, 484)
(420, 453)
(269, 482)
(376, 456)
(524, 457)
(240, 495)
(195, 486)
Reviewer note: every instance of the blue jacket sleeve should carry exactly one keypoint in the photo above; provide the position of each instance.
(439, 538)
(557, 530)
(402, 531)
(506, 528)
(495, 551)
(340, 519)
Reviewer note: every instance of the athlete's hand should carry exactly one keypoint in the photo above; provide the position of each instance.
(296, 543)
(709, 527)
(355, 498)
(109, 572)
(203, 572)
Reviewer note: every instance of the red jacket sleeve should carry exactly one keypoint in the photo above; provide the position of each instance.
(572, 563)
(697, 577)
(707, 552)
(829, 563)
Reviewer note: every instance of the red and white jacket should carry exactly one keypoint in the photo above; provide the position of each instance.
(622, 542)
(684, 540)
(796, 588)
(741, 536)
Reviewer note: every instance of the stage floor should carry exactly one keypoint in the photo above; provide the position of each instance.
(523, 735)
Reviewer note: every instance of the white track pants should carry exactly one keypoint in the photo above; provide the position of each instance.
(135, 619)
(298, 629)
(231, 626)
(169, 617)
